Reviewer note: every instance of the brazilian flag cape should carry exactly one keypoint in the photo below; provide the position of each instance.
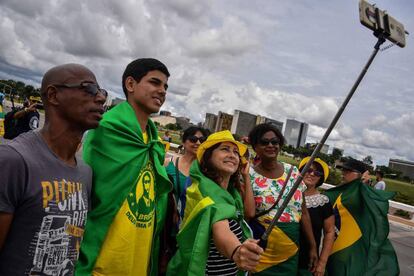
(116, 152)
(206, 203)
(362, 246)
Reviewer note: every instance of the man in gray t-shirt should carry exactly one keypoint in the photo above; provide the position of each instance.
(44, 189)
(49, 200)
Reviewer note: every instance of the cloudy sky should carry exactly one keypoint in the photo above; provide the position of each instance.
(281, 59)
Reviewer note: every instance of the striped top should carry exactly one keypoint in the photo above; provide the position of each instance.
(217, 264)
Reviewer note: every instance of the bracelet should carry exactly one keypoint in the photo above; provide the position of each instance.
(234, 251)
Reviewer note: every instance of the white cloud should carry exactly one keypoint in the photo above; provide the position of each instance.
(280, 59)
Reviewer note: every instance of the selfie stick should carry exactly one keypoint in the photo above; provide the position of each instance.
(265, 236)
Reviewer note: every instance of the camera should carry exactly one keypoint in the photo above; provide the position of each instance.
(39, 106)
(379, 21)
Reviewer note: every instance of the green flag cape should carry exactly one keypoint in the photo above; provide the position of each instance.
(362, 246)
(206, 203)
(116, 152)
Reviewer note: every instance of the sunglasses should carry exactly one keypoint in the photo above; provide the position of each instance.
(273, 141)
(315, 172)
(88, 87)
(194, 139)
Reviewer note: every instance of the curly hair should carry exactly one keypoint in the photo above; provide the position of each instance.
(258, 131)
(208, 169)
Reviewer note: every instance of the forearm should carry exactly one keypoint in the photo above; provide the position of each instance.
(19, 114)
(5, 222)
(224, 238)
(248, 199)
(306, 225)
(328, 241)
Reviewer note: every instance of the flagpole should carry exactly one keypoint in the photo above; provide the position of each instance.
(265, 236)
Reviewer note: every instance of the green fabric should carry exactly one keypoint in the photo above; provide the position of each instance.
(290, 266)
(194, 237)
(116, 152)
(171, 170)
(372, 253)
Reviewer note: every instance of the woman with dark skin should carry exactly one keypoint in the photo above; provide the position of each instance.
(321, 214)
(267, 180)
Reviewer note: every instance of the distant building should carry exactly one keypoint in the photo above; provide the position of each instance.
(183, 122)
(165, 113)
(242, 123)
(324, 149)
(210, 122)
(163, 120)
(224, 121)
(295, 133)
(265, 120)
(406, 167)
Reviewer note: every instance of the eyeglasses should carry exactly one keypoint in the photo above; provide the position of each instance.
(88, 87)
(315, 172)
(194, 139)
(274, 141)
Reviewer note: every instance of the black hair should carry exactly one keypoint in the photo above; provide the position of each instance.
(320, 169)
(210, 171)
(192, 130)
(258, 131)
(380, 173)
(140, 67)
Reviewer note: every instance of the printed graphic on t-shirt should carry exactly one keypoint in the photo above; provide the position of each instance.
(34, 122)
(141, 199)
(55, 247)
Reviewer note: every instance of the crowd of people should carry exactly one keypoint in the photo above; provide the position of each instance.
(125, 209)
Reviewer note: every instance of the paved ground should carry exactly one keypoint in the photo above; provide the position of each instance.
(402, 238)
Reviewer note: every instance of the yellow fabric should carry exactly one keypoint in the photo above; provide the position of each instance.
(128, 243)
(279, 249)
(350, 232)
(219, 137)
(194, 202)
(320, 162)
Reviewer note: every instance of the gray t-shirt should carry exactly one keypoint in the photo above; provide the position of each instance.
(49, 201)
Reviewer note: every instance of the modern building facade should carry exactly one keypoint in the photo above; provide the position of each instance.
(406, 167)
(224, 121)
(210, 122)
(265, 120)
(295, 133)
(242, 123)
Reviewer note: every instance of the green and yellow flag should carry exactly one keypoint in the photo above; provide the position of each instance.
(117, 153)
(206, 203)
(362, 246)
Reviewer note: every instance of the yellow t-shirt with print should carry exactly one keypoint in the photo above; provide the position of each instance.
(128, 243)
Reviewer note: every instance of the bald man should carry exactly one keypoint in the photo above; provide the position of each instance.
(44, 189)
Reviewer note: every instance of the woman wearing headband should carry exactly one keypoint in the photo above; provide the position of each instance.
(213, 237)
(271, 181)
(321, 214)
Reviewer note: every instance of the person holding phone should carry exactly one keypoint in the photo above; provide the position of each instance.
(24, 119)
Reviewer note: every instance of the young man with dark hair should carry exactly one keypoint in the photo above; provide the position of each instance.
(44, 188)
(380, 185)
(130, 183)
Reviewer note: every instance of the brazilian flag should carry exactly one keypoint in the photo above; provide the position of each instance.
(206, 203)
(362, 246)
(117, 153)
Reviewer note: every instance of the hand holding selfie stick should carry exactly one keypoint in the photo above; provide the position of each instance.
(265, 236)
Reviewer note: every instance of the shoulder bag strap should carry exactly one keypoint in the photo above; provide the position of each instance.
(177, 177)
(280, 194)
